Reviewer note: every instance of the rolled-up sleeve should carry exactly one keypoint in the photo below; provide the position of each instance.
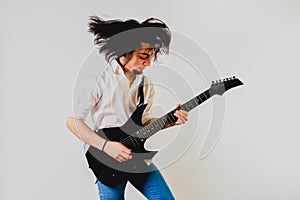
(149, 94)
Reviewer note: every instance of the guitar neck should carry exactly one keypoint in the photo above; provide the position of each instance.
(167, 119)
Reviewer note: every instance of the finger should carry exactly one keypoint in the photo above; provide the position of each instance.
(177, 114)
(184, 115)
(180, 120)
(180, 115)
(123, 148)
(126, 156)
(120, 159)
(126, 150)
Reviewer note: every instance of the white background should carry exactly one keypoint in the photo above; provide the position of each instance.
(44, 43)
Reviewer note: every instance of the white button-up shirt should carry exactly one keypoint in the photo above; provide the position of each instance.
(110, 98)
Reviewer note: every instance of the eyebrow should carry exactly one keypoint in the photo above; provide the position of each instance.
(145, 55)
(147, 52)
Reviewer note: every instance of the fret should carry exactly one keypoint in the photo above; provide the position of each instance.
(199, 100)
(158, 123)
(151, 131)
(144, 132)
(205, 95)
(189, 105)
(161, 121)
(148, 131)
(172, 117)
(195, 100)
(185, 107)
(202, 97)
(152, 127)
(141, 133)
(157, 126)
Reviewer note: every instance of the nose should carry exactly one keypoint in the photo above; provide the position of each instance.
(147, 62)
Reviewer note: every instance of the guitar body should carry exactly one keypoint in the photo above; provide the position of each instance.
(108, 170)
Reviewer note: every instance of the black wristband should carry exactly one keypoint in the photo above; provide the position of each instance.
(104, 145)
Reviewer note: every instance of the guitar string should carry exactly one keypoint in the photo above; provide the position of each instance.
(198, 100)
(131, 139)
(128, 140)
(145, 130)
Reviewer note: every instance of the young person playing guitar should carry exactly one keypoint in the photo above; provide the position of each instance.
(129, 47)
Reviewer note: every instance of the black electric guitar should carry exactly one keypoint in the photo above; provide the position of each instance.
(133, 135)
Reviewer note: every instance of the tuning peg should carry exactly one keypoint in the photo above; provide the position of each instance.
(212, 82)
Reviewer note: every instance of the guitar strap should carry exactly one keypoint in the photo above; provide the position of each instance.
(141, 92)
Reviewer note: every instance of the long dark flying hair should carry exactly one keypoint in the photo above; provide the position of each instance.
(116, 38)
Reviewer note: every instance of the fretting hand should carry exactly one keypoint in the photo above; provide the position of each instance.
(182, 116)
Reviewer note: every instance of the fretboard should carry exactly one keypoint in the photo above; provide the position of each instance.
(167, 119)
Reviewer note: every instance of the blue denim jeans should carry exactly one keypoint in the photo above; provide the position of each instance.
(153, 187)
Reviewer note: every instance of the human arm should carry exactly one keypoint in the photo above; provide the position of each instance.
(114, 149)
(87, 94)
(182, 116)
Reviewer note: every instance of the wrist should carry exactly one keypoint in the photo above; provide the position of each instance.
(104, 144)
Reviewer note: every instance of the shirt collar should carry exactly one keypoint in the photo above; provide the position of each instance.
(117, 69)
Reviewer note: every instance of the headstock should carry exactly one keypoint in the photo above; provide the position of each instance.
(222, 85)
